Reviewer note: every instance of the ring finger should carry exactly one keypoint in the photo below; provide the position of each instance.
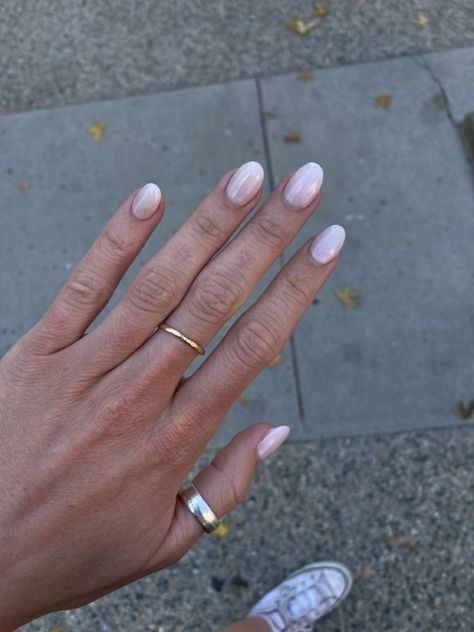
(251, 343)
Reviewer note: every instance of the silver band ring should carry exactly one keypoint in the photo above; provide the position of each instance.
(198, 507)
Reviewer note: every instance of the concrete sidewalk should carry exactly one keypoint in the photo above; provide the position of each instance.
(396, 177)
(397, 507)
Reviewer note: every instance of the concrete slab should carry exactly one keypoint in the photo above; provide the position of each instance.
(58, 52)
(398, 180)
(74, 185)
(396, 509)
(455, 70)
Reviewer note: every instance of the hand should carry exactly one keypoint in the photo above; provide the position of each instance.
(97, 431)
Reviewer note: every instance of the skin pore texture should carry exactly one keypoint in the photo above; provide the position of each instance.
(98, 431)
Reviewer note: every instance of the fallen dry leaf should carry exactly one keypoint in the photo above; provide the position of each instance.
(394, 539)
(239, 582)
(322, 10)
(465, 411)
(222, 530)
(422, 20)
(383, 101)
(57, 628)
(348, 297)
(97, 130)
(23, 185)
(366, 569)
(411, 542)
(438, 601)
(243, 399)
(305, 75)
(292, 137)
(297, 25)
(276, 361)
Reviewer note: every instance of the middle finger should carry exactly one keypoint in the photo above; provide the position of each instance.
(227, 281)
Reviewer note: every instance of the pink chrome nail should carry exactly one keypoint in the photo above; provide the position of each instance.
(146, 201)
(245, 183)
(304, 185)
(328, 244)
(272, 441)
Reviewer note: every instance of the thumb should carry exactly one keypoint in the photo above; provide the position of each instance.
(225, 482)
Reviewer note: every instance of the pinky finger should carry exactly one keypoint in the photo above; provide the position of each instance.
(225, 482)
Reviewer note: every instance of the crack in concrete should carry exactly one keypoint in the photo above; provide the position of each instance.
(464, 128)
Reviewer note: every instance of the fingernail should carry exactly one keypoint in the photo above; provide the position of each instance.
(272, 441)
(245, 183)
(328, 244)
(304, 185)
(146, 201)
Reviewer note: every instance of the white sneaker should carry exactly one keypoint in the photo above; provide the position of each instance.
(304, 597)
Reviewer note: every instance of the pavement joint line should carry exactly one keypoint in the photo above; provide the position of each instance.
(263, 125)
(271, 179)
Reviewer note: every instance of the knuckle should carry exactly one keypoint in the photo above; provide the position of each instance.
(167, 444)
(270, 232)
(295, 287)
(116, 242)
(206, 228)
(115, 410)
(216, 296)
(117, 413)
(86, 288)
(43, 335)
(255, 343)
(154, 288)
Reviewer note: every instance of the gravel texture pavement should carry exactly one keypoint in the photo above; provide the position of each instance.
(53, 53)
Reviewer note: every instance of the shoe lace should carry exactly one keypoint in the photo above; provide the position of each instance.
(303, 622)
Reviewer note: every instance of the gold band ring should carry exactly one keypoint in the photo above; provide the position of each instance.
(174, 332)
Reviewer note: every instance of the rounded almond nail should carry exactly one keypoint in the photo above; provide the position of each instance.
(245, 183)
(146, 201)
(328, 244)
(304, 185)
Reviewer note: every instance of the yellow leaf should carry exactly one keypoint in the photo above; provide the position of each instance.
(276, 361)
(322, 10)
(57, 628)
(222, 530)
(243, 399)
(305, 75)
(97, 130)
(23, 185)
(292, 137)
(366, 569)
(422, 20)
(465, 411)
(383, 101)
(348, 297)
(394, 539)
(297, 25)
